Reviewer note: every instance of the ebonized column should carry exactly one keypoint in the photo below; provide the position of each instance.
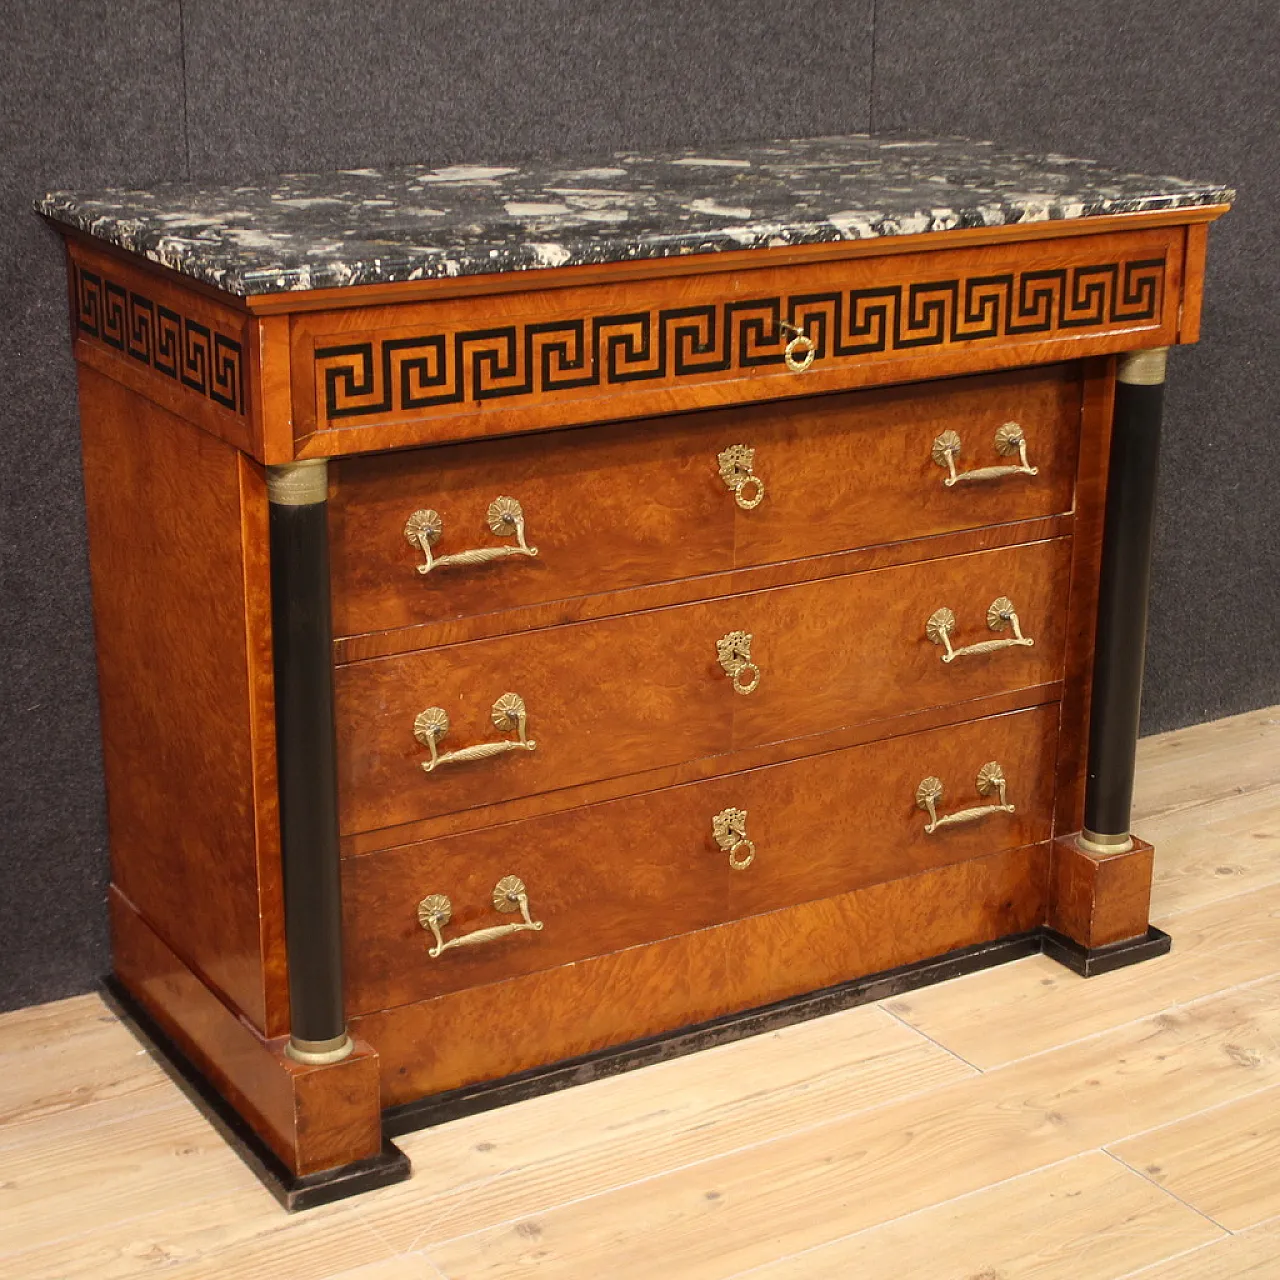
(307, 759)
(1120, 643)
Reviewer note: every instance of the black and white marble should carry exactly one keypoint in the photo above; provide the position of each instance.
(364, 226)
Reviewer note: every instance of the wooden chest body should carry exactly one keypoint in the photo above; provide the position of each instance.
(604, 403)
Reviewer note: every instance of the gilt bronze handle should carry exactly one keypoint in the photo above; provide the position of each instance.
(435, 911)
(1010, 439)
(734, 652)
(729, 827)
(505, 518)
(929, 792)
(1000, 614)
(736, 470)
(508, 713)
(800, 350)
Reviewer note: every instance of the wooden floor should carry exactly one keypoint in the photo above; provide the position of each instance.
(1016, 1123)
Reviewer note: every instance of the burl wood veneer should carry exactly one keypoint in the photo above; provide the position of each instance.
(503, 665)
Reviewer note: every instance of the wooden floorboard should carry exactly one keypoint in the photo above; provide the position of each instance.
(1224, 1162)
(616, 1132)
(999, 1015)
(1191, 766)
(737, 1211)
(238, 1234)
(1014, 1124)
(1215, 851)
(1089, 1216)
(74, 1070)
(1251, 1255)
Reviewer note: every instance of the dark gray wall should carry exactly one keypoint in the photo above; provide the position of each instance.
(137, 91)
(1173, 87)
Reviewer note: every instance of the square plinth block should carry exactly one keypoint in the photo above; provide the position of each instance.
(1096, 899)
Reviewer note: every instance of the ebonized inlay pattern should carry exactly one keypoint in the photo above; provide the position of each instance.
(181, 348)
(392, 375)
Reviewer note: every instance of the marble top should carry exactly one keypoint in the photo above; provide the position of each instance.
(365, 226)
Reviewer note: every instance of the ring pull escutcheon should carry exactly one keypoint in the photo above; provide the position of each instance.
(729, 827)
(800, 351)
(734, 652)
(737, 464)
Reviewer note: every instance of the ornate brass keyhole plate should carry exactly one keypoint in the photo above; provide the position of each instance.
(737, 464)
(734, 652)
(729, 827)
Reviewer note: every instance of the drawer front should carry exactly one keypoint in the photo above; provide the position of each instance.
(677, 983)
(617, 507)
(553, 350)
(618, 696)
(616, 875)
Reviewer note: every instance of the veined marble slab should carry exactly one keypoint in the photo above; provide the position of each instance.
(364, 226)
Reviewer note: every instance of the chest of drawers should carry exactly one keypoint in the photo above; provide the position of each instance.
(643, 607)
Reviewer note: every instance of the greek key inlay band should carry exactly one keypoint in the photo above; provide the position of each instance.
(402, 374)
(180, 348)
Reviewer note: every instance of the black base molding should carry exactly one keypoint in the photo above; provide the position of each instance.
(1089, 962)
(294, 1191)
(393, 1166)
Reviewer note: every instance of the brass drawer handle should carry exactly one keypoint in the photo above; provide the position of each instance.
(729, 827)
(505, 518)
(435, 911)
(736, 470)
(734, 652)
(1009, 440)
(1000, 614)
(929, 792)
(508, 713)
(801, 343)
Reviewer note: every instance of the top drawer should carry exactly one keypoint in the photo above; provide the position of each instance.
(625, 505)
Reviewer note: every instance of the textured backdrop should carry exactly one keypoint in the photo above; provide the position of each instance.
(102, 93)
